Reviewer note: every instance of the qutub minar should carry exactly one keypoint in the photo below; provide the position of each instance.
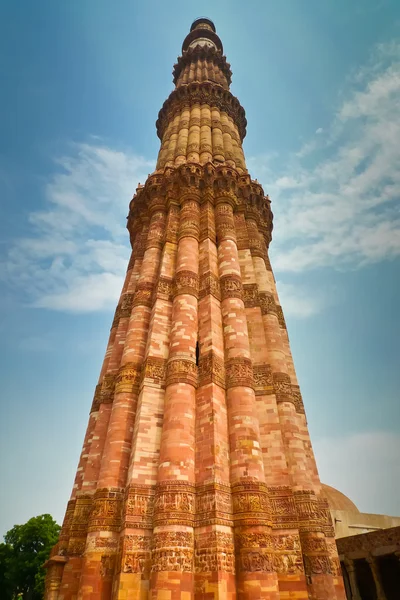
(197, 479)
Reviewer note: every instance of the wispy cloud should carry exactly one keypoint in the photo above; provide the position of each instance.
(347, 463)
(339, 207)
(77, 254)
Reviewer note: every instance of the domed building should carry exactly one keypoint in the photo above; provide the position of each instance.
(368, 547)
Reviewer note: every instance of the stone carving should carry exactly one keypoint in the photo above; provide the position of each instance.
(128, 378)
(211, 369)
(297, 399)
(267, 303)
(126, 306)
(107, 566)
(250, 295)
(155, 370)
(317, 565)
(172, 551)
(165, 288)
(313, 513)
(174, 503)
(107, 545)
(199, 53)
(281, 318)
(139, 506)
(106, 511)
(186, 282)
(255, 561)
(96, 399)
(136, 553)
(79, 523)
(282, 387)
(107, 388)
(239, 372)
(180, 370)
(214, 551)
(263, 380)
(283, 508)
(144, 294)
(251, 505)
(209, 284)
(213, 505)
(231, 287)
(189, 223)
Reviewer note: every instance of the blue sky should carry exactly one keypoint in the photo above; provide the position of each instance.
(82, 86)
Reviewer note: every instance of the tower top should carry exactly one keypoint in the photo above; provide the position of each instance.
(203, 23)
(202, 33)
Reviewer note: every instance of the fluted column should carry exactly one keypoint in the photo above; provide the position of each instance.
(253, 542)
(133, 572)
(105, 517)
(173, 541)
(214, 564)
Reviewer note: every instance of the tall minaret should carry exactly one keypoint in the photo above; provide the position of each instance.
(197, 479)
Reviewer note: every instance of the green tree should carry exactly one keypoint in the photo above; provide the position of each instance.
(27, 547)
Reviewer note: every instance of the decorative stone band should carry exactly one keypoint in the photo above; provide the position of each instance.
(136, 553)
(263, 380)
(251, 298)
(251, 504)
(128, 378)
(106, 514)
(189, 222)
(139, 506)
(107, 388)
(207, 224)
(231, 287)
(297, 399)
(283, 508)
(201, 93)
(267, 303)
(96, 399)
(313, 513)
(281, 318)
(172, 551)
(181, 370)
(144, 294)
(288, 558)
(204, 53)
(239, 372)
(254, 551)
(79, 525)
(124, 309)
(282, 387)
(66, 526)
(211, 369)
(186, 282)
(174, 503)
(214, 551)
(209, 285)
(154, 371)
(316, 555)
(213, 505)
(164, 289)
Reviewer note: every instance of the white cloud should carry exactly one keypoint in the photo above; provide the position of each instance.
(299, 302)
(76, 256)
(347, 463)
(339, 207)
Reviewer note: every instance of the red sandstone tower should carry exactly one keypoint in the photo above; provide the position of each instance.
(197, 480)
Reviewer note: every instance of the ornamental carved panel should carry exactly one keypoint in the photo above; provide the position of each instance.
(79, 524)
(165, 288)
(128, 378)
(186, 282)
(239, 372)
(283, 508)
(126, 306)
(211, 369)
(250, 295)
(154, 371)
(107, 388)
(172, 551)
(251, 505)
(144, 294)
(107, 511)
(214, 551)
(180, 370)
(136, 553)
(209, 284)
(231, 287)
(139, 506)
(174, 503)
(267, 303)
(263, 380)
(282, 387)
(213, 505)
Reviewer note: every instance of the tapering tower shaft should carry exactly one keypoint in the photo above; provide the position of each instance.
(197, 478)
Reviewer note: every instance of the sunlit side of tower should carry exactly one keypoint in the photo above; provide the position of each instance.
(197, 478)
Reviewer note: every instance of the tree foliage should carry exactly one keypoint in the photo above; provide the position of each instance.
(22, 555)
